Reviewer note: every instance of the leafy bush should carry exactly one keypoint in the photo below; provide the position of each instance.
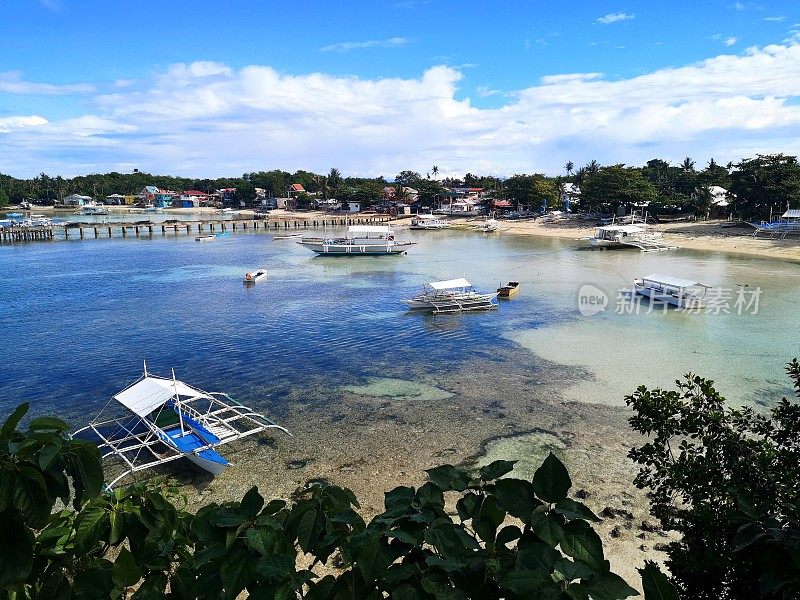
(508, 537)
(727, 480)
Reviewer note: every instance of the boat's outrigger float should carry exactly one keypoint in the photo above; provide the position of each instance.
(169, 420)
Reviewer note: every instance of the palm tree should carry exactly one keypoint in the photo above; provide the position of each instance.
(334, 180)
(593, 167)
(703, 200)
(435, 171)
(687, 164)
(580, 176)
(568, 167)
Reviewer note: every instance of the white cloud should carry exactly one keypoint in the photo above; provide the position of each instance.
(8, 124)
(53, 5)
(738, 6)
(615, 17)
(11, 82)
(730, 41)
(346, 46)
(208, 119)
(775, 19)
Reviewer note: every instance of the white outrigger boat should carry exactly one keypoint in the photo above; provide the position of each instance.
(453, 295)
(361, 240)
(168, 420)
(255, 276)
(426, 222)
(628, 236)
(665, 289)
(489, 226)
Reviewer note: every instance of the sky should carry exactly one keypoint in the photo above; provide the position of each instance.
(211, 89)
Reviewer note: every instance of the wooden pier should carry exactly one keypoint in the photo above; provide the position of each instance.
(80, 231)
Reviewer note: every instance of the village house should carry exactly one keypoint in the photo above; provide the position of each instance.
(193, 199)
(78, 200)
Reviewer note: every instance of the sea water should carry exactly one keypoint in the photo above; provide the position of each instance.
(79, 318)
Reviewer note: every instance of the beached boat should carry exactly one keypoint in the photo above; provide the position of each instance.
(508, 290)
(166, 420)
(453, 295)
(665, 289)
(426, 222)
(489, 226)
(628, 236)
(361, 240)
(252, 277)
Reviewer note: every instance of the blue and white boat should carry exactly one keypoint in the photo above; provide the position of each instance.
(167, 420)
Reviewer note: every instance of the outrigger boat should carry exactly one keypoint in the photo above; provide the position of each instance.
(665, 289)
(361, 240)
(508, 290)
(255, 276)
(454, 295)
(426, 222)
(168, 420)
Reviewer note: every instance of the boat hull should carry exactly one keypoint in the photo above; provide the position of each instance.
(206, 461)
(508, 291)
(357, 249)
(452, 302)
(676, 300)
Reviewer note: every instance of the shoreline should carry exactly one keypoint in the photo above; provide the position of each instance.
(704, 236)
(707, 236)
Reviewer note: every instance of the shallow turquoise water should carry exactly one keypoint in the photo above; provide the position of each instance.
(78, 318)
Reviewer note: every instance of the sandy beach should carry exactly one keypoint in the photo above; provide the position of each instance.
(708, 236)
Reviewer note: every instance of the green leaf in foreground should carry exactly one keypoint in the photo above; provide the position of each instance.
(551, 481)
(656, 585)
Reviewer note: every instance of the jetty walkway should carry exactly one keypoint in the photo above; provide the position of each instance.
(117, 229)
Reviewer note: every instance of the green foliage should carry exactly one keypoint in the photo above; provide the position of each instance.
(509, 538)
(728, 481)
(615, 186)
(765, 185)
(4, 199)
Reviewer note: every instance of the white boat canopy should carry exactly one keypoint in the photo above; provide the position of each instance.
(668, 280)
(149, 393)
(450, 284)
(623, 228)
(369, 229)
(425, 216)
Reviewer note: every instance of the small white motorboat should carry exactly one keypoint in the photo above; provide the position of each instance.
(253, 277)
(665, 289)
(209, 237)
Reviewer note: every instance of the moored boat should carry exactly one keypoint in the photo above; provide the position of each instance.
(361, 240)
(453, 295)
(508, 290)
(252, 277)
(427, 222)
(165, 420)
(208, 237)
(489, 226)
(675, 291)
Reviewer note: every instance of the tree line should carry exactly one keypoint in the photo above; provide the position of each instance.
(726, 480)
(758, 188)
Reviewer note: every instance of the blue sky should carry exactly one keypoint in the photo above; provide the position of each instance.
(220, 88)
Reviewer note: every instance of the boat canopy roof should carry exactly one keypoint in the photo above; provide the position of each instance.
(672, 281)
(369, 229)
(623, 228)
(426, 216)
(450, 284)
(147, 394)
